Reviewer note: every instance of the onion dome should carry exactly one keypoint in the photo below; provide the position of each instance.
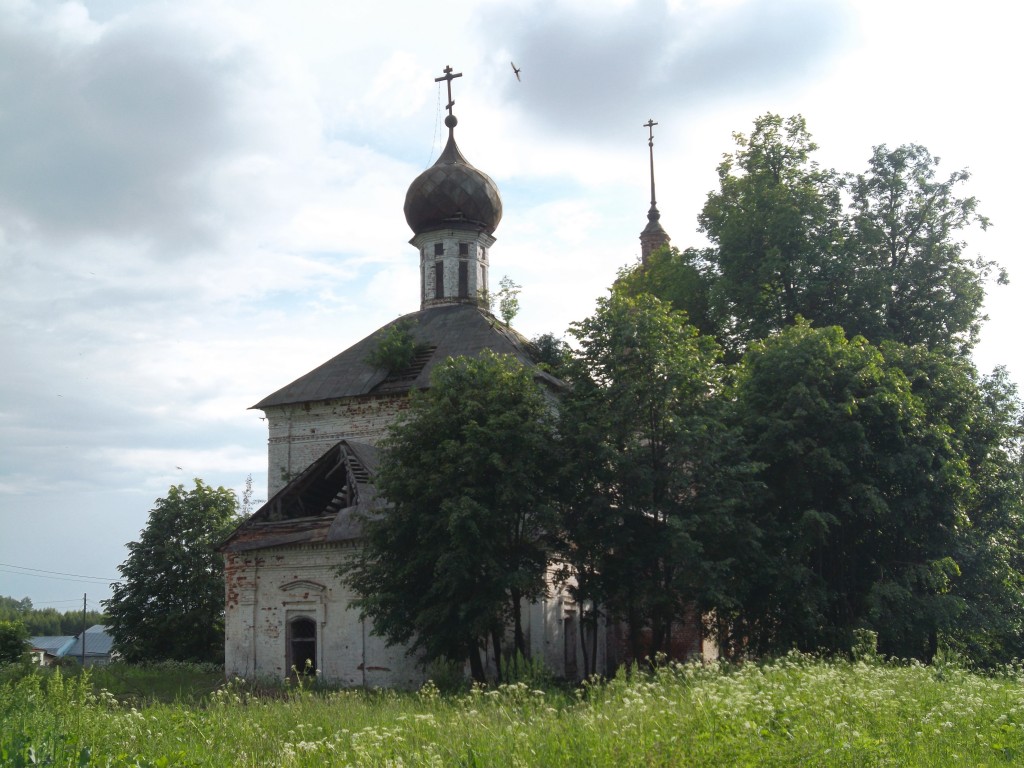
(452, 194)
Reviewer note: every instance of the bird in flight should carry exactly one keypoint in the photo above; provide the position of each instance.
(516, 71)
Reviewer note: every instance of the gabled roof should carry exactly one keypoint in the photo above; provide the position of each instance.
(55, 645)
(323, 504)
(98, 642)
(441, 332)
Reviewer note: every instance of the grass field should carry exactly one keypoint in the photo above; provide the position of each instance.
(795, 711)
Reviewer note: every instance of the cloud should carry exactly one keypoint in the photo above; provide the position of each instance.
(584, 71)
(107, 133)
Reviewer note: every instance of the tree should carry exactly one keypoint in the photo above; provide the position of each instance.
(46, 621)
(551, 353)
(396, 347)
(508, 299)
(984, 419)
(170, 602)
(13, 641)
(656, 473)
(912, 283)
(865, 489)
(776, 225)
(469, 477)
(891, 268)
(683, 279)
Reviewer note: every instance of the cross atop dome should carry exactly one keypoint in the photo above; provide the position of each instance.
(453, 210)
(451, 120)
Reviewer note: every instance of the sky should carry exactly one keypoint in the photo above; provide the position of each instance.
(201, 201)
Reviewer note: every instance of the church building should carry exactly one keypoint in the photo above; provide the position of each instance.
(285, 603)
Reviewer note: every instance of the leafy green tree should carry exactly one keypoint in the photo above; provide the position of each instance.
(911, 282)
(508, 299)
(46, 621)
(469, 476)
(551, 353)
(776, 225)
(656, 475)
(683, 279)
(12, 609)
(71, 622)
(170, 601)
(396, 347)
(13, 641)
(984, 420)
(865, 489)
(891, 268)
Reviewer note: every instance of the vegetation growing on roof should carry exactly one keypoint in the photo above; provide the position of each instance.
(396, 347)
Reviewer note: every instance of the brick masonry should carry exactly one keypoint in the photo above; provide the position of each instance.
(301, 433)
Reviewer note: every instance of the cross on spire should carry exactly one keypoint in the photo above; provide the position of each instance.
(654, 235)
(649, 125)
(448, 76)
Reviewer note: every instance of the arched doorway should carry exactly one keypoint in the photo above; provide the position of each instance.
(302, 646)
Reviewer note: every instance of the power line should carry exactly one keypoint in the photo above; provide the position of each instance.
(58, 573)
(94, 582)
(54, 574)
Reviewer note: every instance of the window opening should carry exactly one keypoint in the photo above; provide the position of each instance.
(302, 646)
(398, 381)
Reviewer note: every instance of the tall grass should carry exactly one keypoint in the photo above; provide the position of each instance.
(793, 711)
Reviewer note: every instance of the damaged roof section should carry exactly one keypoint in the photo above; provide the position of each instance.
(325, 503)
(439, 332)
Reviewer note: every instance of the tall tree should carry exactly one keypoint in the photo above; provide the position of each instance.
(656, 473)
(46, 621)
(13, 641)
(865, 491)
(683, 279)
(911, 282)
(984, 420)
(170, 601)
(891, 267)
(776, 226)
(469, 475)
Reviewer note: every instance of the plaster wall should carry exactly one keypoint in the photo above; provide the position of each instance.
(301, 433)
(448, 242)
(267, 589)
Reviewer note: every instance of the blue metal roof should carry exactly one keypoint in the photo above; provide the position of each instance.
(55, 645)
(98, 642)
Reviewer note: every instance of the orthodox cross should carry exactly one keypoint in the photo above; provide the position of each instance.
(649, 125)
(449, 77)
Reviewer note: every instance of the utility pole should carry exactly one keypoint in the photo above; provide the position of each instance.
(84, 595)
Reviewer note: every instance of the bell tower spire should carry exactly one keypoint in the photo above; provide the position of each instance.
(654, 235)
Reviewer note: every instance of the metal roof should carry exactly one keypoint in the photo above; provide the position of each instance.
(452, 193)
(52, 644)
(451, 330)
(98, 642)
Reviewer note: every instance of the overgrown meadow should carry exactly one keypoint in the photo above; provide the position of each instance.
(794, 711)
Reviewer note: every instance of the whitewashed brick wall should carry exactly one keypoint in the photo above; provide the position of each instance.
(268, 588)
(301, 434)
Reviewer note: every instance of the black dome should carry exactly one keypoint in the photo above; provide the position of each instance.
(452, 193)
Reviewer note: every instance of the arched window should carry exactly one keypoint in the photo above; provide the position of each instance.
(302, 646)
